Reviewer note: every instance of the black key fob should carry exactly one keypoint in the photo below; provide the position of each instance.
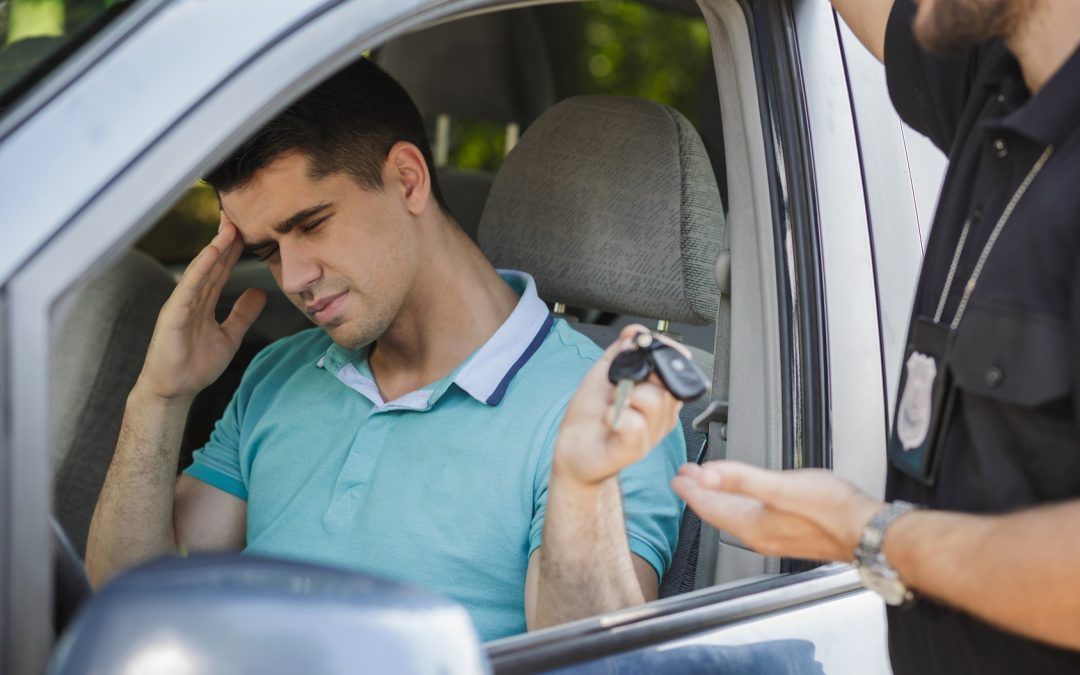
(683, 378)
(632, 364)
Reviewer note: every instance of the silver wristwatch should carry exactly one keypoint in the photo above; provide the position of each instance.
(874, 569)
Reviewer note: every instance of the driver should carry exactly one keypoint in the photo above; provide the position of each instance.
(427, 430)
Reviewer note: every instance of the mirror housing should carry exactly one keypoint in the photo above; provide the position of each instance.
(244, 614)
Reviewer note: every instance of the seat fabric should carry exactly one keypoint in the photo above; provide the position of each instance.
(98, 354)
(611, 204)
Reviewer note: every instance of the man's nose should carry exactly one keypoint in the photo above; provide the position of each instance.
(299, 270)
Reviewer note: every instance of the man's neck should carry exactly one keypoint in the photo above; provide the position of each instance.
(1047, 35)
(455, 305)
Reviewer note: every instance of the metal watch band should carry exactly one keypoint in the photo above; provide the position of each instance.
(873, 567)
(873, 535)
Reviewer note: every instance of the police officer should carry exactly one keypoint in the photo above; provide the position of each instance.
(977, 550)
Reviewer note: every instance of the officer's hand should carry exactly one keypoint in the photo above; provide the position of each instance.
(810, 513)
(588, 450)
(190, 349)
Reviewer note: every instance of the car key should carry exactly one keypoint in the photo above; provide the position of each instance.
(682, 377)
(627, 369)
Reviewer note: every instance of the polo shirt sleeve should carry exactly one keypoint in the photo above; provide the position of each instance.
(652, 510)
(929, 92)
(218, 463)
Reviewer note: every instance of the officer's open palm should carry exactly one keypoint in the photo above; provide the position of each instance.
(588, 449)
(810, 513)
(190, 349)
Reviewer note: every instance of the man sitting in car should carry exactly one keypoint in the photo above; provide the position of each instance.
(427, 430)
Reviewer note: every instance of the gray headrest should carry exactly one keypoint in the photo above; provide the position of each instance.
(610, 203)
(492, 67)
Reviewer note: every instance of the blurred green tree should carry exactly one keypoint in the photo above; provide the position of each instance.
(617, 47)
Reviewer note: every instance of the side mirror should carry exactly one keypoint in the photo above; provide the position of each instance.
(244, 614)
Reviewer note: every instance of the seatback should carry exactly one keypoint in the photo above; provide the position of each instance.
(99, 352)
(491, 67)
(611, 204)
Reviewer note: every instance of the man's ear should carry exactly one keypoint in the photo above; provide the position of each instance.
(407, 171)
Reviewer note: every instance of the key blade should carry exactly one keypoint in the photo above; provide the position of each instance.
(622, 400)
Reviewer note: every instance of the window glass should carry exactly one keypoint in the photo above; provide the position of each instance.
(609, 47)
(36, 36)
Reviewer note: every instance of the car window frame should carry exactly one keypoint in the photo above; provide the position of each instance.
(129, 192)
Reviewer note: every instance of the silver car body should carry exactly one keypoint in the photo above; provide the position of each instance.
(125, 126)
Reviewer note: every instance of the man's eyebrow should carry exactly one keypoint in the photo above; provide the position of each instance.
(287, 225)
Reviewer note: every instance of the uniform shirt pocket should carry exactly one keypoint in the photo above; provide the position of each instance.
(1012, 355)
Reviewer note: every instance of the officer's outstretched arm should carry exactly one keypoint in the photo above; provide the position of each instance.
(1016, 571)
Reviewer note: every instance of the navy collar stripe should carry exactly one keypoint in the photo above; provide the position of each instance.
(500, 391)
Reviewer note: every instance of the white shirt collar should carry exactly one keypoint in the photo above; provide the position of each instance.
(488, 372)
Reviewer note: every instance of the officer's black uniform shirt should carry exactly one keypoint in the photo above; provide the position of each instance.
(1014, 436)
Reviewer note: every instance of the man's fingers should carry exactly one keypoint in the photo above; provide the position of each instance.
(220, 275)
(244, 312)
(188, 288)
(198, 271)
(657, 406)
(623, 342)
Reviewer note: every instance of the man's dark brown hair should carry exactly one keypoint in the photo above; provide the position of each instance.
(347, 125)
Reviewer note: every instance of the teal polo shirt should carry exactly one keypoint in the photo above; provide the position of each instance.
(444, 487)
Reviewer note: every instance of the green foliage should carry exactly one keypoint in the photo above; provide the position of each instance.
(617, 47)
(632, 49)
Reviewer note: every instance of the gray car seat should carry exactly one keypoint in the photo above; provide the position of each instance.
(611, 204)
(99, 352)
(492, 67)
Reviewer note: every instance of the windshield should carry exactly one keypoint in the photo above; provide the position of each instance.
(36, 36)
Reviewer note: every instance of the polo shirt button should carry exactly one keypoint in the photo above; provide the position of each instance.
(1001, 99)
(1001, 148)
(994, 376)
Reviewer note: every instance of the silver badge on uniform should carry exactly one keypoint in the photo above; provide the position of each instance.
(913, 422)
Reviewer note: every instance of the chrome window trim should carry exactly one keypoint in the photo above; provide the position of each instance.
(667, 620)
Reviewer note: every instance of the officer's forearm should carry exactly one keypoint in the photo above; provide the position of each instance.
(585, 565)
(133, 517)
(1017, 571)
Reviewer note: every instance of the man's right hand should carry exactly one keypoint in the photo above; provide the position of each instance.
(189, 348)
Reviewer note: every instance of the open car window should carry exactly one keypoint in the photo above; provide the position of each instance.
(36, 36)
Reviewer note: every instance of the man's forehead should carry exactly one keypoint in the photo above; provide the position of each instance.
(274, 194)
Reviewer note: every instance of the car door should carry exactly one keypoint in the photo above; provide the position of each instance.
(136, 128)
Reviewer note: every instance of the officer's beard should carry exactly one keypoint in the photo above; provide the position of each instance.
(954, 27)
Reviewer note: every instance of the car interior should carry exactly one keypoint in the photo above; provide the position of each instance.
(579, 142)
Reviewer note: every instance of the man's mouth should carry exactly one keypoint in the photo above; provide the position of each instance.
(324, 309)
